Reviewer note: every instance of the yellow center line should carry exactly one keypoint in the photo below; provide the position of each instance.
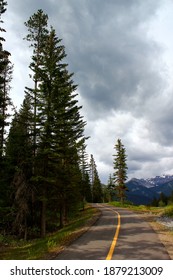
(114, 241)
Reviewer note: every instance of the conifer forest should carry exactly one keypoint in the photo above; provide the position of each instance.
(45, 172)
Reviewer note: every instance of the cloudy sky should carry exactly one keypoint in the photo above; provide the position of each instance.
(121, 53)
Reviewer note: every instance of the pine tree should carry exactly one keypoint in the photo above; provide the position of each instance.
(120, 174)
(37, 34)
(19, 142)
(19, 158)
(63, 129)
(85, 180)
(96, 188)
(56, 114)
(5, 102)
(5, 79)
(111, 187)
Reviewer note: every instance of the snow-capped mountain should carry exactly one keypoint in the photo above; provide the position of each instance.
(155, 181)
(143, 191)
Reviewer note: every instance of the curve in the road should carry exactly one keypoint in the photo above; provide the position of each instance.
(119, 234)
(114, 241)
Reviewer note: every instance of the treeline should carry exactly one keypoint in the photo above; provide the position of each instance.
(162, 200)
(45, 174)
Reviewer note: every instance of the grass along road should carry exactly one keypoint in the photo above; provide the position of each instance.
(47, 248)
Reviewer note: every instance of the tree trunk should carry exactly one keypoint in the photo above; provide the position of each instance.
(26, 229)
(43, 216)
(62, 218)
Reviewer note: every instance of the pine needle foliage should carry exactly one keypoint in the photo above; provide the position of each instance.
(120, 171)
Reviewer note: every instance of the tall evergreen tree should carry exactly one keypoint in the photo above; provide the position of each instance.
(96, 188)
(5, 79)
(5, 102)
(111, 187)
(19, 155)
(85, 180)
(63, 127)
(120, 167)
(37, 26)
(57, 116)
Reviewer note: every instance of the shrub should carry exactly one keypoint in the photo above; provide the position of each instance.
(169, 211)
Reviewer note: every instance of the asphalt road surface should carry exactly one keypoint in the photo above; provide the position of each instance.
(119, 234)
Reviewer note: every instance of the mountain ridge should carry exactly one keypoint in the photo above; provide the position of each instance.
(143, 191)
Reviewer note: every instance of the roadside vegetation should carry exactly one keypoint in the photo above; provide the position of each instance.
(160, 211)
(12, 248)
(168, 211)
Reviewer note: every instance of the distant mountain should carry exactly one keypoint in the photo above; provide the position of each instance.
(143, 191)
(156, 181)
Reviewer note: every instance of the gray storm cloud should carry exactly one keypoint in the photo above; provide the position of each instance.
(119, 71)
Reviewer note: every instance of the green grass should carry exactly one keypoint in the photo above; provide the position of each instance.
(11, 249)
(140, 208)
(168, 211)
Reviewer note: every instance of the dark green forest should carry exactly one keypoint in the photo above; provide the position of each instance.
(46, 175)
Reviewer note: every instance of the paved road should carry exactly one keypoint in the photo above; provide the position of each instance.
(119, 234)
(137, 240)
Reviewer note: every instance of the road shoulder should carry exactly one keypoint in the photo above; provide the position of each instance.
(164, 233)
